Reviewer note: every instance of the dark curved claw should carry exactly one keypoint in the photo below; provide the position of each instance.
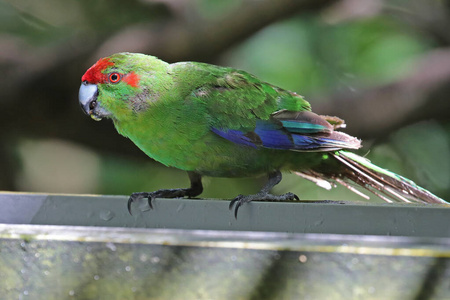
(232, 202)
(238, 201)
(135, 197)
(130, 200)
(236, 209)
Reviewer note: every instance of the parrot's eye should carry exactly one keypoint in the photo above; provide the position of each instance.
(114, 77)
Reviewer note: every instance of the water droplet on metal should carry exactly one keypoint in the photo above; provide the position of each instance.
(143, 258)
(111, 246)
(318, 222)
(106, 215)
(180, 207)
(143, 205)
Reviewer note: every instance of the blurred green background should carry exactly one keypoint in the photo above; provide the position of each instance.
(383, 66)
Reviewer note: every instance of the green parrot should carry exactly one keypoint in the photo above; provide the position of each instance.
(217, 121)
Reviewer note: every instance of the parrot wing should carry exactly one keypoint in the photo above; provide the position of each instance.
(247, 111)
(307, 132)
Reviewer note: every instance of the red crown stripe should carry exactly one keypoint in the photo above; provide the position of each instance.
(94, 74)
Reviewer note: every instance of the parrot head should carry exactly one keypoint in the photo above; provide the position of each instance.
(109, 86)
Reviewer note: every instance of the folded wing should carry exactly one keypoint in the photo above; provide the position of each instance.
(289, 130)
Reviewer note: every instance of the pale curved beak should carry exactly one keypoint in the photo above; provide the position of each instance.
(87, 97)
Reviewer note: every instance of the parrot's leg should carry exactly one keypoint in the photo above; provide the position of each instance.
(195, 190)
(263, 194)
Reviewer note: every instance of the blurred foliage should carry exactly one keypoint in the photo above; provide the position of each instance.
(51, 21)
(310, 51)
(310, 56)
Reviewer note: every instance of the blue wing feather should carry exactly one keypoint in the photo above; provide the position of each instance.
(235, 136)
(273, 136)
(290, 135)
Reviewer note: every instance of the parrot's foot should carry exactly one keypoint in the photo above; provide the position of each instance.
(172, 193)
(263, 195)
(241, 199)
(195, 190)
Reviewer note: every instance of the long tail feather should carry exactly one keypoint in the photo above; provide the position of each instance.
(393, 186)
(385, 184)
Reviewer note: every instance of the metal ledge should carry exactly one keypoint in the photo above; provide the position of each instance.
(110, 211)
(89, 247)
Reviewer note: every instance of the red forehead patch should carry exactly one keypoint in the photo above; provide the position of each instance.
(94, 74)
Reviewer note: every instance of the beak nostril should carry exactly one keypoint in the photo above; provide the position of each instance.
(93, 105)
